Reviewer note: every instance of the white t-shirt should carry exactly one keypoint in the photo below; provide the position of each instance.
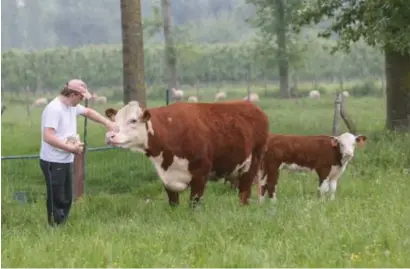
(63, 119)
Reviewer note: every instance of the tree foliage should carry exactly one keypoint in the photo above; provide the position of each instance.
(101, 66)
(384, 23)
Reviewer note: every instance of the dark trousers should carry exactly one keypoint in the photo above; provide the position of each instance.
(58, 178)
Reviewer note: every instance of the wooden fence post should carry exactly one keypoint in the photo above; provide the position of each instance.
(346, 119)
(79, 165)
(79, 175)
(336, 122)
(341, 110)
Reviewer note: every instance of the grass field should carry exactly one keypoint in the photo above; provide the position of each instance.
(368, 225)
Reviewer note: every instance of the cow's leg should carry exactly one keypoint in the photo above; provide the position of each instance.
(245, 186)
(323, 174)
(199, 171)
(197, 190)
(173, 198)
(246, 179)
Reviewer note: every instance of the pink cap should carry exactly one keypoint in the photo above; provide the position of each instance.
(79, 86)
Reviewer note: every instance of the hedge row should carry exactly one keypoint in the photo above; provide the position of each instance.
(102, 65)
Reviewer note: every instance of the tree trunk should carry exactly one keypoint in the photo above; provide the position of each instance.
(132, 52)
(282, 50)
(397, 91)
(341, 84)
(170, 53)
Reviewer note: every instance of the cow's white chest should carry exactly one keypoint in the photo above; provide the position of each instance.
(177, 176)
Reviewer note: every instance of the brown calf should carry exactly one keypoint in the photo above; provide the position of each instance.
(326, 155)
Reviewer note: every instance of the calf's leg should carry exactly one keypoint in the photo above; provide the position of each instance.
(323, 174)
(272, 181)
(334, 179)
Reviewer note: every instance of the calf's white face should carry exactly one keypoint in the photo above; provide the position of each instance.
(131, 130)
(347, 143)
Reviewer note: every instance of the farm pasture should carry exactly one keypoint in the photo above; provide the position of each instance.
(125, 221)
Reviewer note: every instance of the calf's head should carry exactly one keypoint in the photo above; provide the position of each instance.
(132, 127)
(347, 143)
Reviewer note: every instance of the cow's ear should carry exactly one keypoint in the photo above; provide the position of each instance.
(361, 140)
(110, 113)
(334, 141)
(146, 115)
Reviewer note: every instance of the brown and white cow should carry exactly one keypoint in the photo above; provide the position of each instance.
(328, 156)
(189, 143)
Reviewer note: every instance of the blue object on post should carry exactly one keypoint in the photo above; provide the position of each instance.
(21, 196)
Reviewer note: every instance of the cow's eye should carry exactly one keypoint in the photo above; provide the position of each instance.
(133, 121)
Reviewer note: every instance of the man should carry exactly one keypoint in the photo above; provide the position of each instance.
(59, 122)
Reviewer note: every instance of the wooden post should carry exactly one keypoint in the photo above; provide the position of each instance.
(79, 165)
(336, 122)
(3, 108)
(79, 175)
(346, 119)
(341, 110)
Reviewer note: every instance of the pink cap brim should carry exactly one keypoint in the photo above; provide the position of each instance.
(87, 95)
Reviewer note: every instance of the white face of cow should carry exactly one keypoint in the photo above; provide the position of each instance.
(131, 130)
(347, 143)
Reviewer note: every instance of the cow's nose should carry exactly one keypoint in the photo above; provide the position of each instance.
(108, 136)
(348, 155)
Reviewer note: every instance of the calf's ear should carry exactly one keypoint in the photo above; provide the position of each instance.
(334, 141)
(146, 115)
(361, 140)
(110, 113)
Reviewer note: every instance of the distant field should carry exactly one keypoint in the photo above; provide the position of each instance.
(114, 226)
(205, 92)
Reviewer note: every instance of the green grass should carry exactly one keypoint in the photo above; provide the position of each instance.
(368, 225)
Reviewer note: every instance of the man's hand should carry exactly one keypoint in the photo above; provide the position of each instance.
(111, 126)
(97, 117)
(76, 148)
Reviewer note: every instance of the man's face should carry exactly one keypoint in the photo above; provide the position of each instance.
(76, 98)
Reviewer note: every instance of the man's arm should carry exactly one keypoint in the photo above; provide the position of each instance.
(97, 117)
(49, 136)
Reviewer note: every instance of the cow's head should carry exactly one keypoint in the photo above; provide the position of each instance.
(347, 143)
(131, 123)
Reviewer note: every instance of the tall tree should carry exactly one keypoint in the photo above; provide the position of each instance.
(281, 30)
(170, 53)
(381, 23)
(132, 52)
(273, 18)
